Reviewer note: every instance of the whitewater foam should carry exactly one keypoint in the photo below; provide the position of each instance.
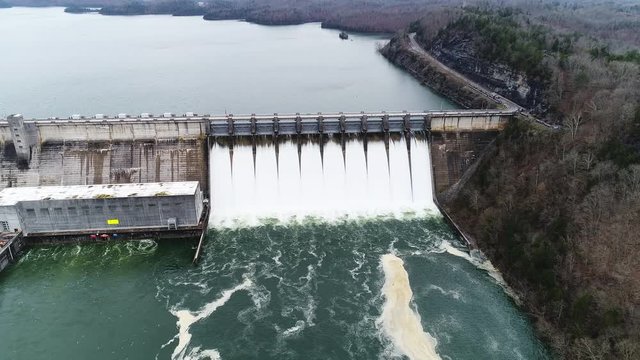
(186, 318)
(359, 260)
(330, 188)
(455, 294)
(201, 354)
(400, 323)
(277, 257)
(477, 258)
(294, 330)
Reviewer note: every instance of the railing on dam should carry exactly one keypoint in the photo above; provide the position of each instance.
(358, 123)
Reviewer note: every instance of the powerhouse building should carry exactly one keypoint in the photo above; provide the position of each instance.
(100, 208)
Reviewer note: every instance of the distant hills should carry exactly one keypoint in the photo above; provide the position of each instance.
(368, 16)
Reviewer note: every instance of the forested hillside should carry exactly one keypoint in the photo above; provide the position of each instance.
(365, 16)
(557, 209)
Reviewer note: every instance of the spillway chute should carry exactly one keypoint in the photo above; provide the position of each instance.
(346, 176)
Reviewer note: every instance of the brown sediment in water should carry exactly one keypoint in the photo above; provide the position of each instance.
(399, 321)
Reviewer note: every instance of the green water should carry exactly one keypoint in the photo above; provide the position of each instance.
(313, 293)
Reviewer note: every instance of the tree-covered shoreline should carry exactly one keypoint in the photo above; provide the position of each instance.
(557, 211)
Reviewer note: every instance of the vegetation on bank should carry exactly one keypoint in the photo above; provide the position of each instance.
(557, 211)
(500, 38)
(80, 10)
(4, 4)
(367, 16)
(175, 8)
(603, 52)
(559, 218)
(548, 63)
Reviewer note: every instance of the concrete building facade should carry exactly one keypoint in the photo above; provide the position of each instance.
(101, 208)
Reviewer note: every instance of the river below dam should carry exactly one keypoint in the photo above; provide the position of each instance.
(333, 255)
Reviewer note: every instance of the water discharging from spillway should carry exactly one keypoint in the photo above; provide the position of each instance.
(342, 254)
(339, 179)
(295, 180)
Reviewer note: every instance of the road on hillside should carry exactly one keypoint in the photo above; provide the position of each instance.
(416, 48)
(508, 104)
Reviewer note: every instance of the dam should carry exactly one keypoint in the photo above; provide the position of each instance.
(59, 155)
(124, 149)
(62, 154)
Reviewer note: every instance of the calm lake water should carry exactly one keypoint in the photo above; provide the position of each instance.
(57, 64)
(314, 259)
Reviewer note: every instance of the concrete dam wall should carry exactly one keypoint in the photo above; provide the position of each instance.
(452, 153)
(83, 151)
(95, 152)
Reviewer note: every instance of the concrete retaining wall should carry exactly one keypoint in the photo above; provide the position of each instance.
(82, 152)
(469, 123)
(56, 132)
(85, 163)
(453, 153)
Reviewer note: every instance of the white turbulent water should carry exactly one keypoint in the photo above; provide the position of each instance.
(330, 187)
(350, 185)
(479, 260)
(187, 318)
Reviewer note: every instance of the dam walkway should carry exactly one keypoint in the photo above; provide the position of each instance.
(28, 132)
(359, 123)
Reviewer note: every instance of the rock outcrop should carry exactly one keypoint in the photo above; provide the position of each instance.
(399, 52)
(459, 53)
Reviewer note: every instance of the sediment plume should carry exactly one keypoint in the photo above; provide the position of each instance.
(400, 323)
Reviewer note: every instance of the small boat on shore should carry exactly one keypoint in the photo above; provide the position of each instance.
(343, 35)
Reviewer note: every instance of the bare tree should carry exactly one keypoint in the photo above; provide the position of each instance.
(588, 158)
(573, 122)
(628, 350)
(474, 199)
(594, 207)
(589, 349)
(632, 182)
(573, 158)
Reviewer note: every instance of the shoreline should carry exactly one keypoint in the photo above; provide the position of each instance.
(324, 24)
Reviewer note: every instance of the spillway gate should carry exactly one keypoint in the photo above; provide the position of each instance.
(357, 123)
